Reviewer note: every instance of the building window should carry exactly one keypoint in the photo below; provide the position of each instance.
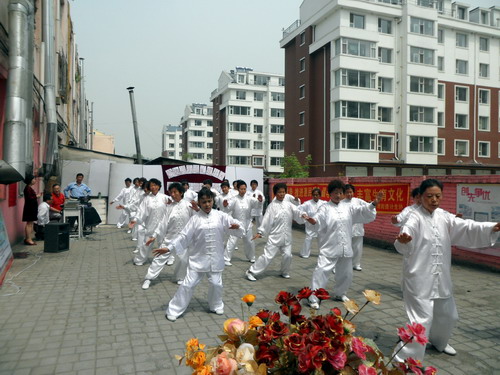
(421, 26)
(276, 162)
(385, 114)
(278, 96)
(197, 144)
(426, 3)
(258, 96)
(277, 145)
(440, 146)
(210, 145)
(261, 80)
(301, 145)
(258, 112)
(483, 149)
(302, 92)
(241, 95)
(239, 127)
(421, 114)
(462, 40)
(385, 55)
(441, 120)
(484, 96)
(422, 85)
(239, 143)
(302, 38)
(238, 110)
(281, 81)
(171, 136)
(357, 21)
(484, 70)
(461, 13)
(440, 91)
(355, 47)
(384, 84)
(277, 112)
(461, 121)
(302, 118)
(354, 141)
(484, 44)
(239, 160)
(385, 143)
(461, 147)
(483, 123)
(197, 122)
(354, 109)
(210, 123)
(461, 67)
(258, 129)
(485, 18)
(355, 78)
(461, 94)
(171, 145)
(258, 145)
(441, 63)
(422, 55)
(241, 78)
(278, 129)
(210, 134)
(421, 144)
(441, 36)
(302, 64)
(197, 133)
(258, 161)
(384, 26)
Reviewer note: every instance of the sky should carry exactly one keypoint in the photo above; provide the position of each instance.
(172, 52)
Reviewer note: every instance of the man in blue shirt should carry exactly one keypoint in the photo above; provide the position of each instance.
(77, 189)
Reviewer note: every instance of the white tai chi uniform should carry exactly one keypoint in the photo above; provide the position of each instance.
(405, 214)
(334, 223)
(123, 197)
(257, 212)
(190, 195)
(150, 213)
(426, 284)
(358, 231)
(310, 208)
(135, 199)
(176, 217)
(204, 236)
(277, 225)
(241, 209)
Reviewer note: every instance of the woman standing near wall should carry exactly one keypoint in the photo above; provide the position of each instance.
(30, 209)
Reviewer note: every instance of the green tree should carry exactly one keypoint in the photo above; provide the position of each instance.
(293, 168)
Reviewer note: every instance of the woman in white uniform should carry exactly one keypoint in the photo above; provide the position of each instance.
(310, 208)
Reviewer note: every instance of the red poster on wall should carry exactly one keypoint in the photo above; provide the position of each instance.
(12, 194)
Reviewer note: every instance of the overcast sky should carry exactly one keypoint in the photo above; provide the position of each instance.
(172, 52)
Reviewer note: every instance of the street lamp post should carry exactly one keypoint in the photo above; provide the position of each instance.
(134, 121)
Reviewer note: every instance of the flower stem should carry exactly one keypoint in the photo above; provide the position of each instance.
(395, 354)
(366, 303)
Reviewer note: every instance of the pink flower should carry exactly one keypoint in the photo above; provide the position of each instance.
(337, 358)
(224, 365)
(429, 370)
(365, 370)
(414, 366)
(418, 331)
(405, 335)
(359, 347)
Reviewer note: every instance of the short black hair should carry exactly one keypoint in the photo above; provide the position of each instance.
(178, 186)
(155, 181)
(349, 186)
(136, 179)
(205, 192)
(415, 192)
(145, 185)
(224, 183)
(430, 182)
(80, 174)
(56, 184)
(28, 179)
(143, 180)
(208, 182)
(335, 184)
(240, 183)
(128, 180)
(279, 185)
(316, 189)
(47, 197)
(253, 182)
(185, 182)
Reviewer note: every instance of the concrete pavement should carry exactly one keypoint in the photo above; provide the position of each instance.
(83, 311)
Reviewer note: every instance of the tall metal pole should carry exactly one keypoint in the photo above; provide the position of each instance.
(134, 120)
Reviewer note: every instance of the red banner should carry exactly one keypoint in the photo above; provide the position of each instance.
(396, 196)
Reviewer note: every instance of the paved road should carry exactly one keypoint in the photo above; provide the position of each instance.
(83, 311)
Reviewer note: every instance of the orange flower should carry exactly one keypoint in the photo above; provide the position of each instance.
(192, 344)
(198, 359)
(203, 370)
(255, 321)
(351, 306)
(249, 299)
(372, 296)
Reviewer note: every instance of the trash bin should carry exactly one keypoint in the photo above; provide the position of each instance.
(56, 237)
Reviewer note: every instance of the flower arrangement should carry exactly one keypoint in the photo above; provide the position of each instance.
(291, 343)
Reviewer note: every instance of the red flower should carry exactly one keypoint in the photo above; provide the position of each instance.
(337, 358)
(304, 364)
(304, 293)
(293, 308)
(264, 315)
(414, 365)
(278, 329)
(294, 343)
(359, 347)
(282, 297)
(405, 335)
(333, 325)
(307, 327)
(319, 338)
(267, 354)
(318, 355)
(298, 319)
(430, 370)
(321, 294)
(365, 370)
(418, 331)
(274, 317)
(266, 335)
(336, 311)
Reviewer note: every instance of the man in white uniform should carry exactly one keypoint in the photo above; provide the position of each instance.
(203, 235)
(256, 212)
(425, 241)
(123, 197)
(310, 208)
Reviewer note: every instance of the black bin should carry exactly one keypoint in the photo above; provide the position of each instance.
(56, 237)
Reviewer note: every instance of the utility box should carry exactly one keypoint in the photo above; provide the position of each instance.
(56, 237)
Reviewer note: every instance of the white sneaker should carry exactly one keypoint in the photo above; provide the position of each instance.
(138, 264)
(129, 231)
(134, 239)
(333, 271)
(304, 256)
(146, 284)
(357, 268)
(119, 226)
(249, 276)
(135, 251)
(285, 276)
(219, 311)
(314, 305)
(179, 282)
(170, 262)
(228, 263)
(341, 298)
(252, 260)
(449, 350)
(171, 318)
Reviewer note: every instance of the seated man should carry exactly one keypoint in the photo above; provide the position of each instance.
(43, 215)
(57, 204)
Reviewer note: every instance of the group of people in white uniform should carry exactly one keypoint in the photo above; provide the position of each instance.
(201, 239)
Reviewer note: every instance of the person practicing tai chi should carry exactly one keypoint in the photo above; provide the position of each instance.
(203, 240)
(277, 225)
(123, 197)
(240, 207)
(254, 192)
(310, 208)
(334, 220)
(425, 240)
(176, 216)
(399, 219)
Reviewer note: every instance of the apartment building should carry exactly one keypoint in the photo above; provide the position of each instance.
(393, 88)
(171, 142)
(249, 119)
(197, 130)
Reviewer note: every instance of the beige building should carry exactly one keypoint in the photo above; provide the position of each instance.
(103, 142)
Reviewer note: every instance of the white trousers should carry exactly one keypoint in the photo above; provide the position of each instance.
(249, 246)
(135, 229)
(123, 219)
(438, 316)
(306, 248)
(179, 303)
(323, 270)
(144, 250)
(357, 249)
(270, 252)
(139, 235)
(258, 220)
(159, 263)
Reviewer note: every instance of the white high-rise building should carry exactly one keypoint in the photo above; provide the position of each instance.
(171, 144)
(249, 123)
(197, 128)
